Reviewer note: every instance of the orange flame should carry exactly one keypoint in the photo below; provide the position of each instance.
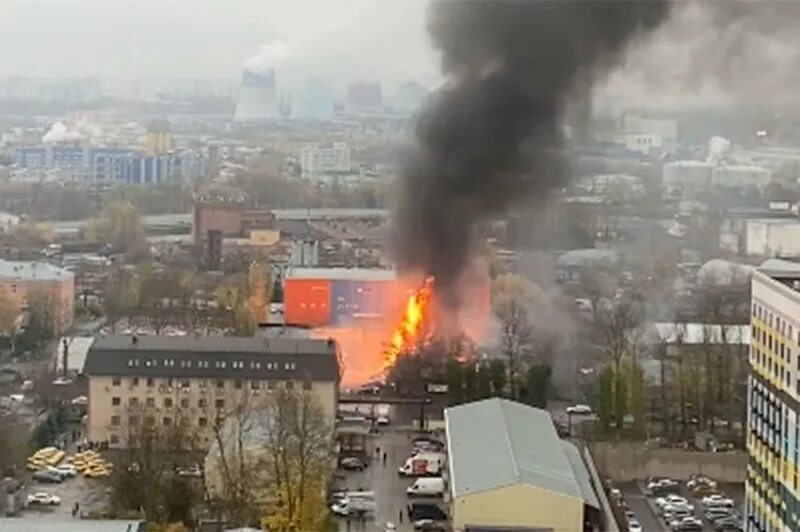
(407, 333)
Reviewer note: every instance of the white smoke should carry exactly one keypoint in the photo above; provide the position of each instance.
(718, 148)
(268, 57)
(60, 133)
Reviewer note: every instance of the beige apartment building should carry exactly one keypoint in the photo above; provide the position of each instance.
(22, 281)
(189, 385)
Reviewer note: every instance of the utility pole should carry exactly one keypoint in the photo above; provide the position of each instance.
(65, 355)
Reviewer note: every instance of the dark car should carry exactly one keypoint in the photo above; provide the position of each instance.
(352, 463)
(48, 477)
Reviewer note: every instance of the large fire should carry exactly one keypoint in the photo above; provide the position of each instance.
(414, 324)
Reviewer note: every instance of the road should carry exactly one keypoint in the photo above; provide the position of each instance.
(637, 503)
(389, 487)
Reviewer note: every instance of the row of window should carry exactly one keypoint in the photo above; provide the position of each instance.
(783, 326)
(202, 402)
(775, 370)
(150, 421)
(220, 384)
(206, 364)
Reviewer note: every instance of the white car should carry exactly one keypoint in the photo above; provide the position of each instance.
(579, 409)
(661, 502)
(697, 481)
(717, 500)
(634, 526)
(383, 420)
(341, 508)
(66, 470)
(43, 498)
(677, 524)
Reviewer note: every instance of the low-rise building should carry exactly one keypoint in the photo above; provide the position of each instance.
(195, 383)
(25, 281)
(508, 470)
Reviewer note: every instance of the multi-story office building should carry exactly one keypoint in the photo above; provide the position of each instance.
(316, 160)
(195, 383)
(773, 427)
(101, 165)
(24, 281)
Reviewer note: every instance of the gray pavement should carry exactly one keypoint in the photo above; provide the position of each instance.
(389, 487)
(639, 505)
(89, 493)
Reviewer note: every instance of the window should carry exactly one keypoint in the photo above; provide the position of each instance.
(219, 403)
(115, 381)
(254, 385)
(184, 422)
(237, 384)
(290, 385)
(167, 421)
(271, 385)
(135, 381)
(133, 401)
(184, 383)
(220, 383)
(184, 403)
(133, 421)
(150, 382)
(115, 421)
(168, 382)
(307, 385)
(116, 401)
(151, 401)
(203, 422)
(168, 402)
(114, 439)
(202, 403)
(202, 383)
(149, 421)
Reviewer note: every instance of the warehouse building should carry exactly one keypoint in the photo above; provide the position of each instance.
(193, 384)
(510, 471)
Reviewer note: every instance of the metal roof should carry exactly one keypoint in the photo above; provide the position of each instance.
(15, 524)
(214, 357)
(32, 271)
(342, 274)
(495, 443)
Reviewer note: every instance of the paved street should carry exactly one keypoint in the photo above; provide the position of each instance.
(389, 487)
(638, 504)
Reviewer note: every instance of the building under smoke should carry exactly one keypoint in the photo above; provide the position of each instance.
(258, 97)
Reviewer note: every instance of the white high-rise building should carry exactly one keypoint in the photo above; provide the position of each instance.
(316, 160)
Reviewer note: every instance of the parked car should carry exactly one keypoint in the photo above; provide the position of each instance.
(579, 410)
(728, 523)
(192, 470)
(661, 486)
(634, 526)
(351, 463)
(383, 420)
(48, 477)
(43, 498)
(686, 524)
(712, 514)
(66, 470)
(676, 514)
(427, 486)
(661, 502)
(697, 480)
(717, 501)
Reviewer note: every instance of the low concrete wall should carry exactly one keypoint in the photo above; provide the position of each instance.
(627, 461)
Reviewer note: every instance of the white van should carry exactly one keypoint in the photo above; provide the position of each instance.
(430, 487)
(422, 464)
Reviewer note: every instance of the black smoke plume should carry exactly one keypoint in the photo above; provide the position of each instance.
(491, 137)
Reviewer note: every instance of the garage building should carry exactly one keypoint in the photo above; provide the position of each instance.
(510, 471)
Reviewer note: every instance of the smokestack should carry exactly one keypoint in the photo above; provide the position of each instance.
(491, 137)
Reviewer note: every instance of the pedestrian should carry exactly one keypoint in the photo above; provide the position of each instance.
(377, 450)
(408, 509)
(400, 516)
(384, 457)
(348, 523)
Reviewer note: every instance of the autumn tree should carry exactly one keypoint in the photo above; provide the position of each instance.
(232, 301)
(120, 295)
(9, 314)
(259, 292)
(120, 226)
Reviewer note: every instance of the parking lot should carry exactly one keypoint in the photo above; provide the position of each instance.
(390, 488)
(90, 494)
(644, 506)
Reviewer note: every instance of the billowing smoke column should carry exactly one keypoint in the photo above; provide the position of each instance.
(491, 136)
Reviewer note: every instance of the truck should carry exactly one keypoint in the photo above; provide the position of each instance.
(422, 465)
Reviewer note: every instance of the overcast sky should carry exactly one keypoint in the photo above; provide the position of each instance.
(130, 39)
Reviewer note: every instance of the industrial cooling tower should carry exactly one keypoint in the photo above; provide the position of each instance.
(258, 97)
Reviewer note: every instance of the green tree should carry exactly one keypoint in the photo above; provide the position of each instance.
(120, 226)
(9, 313)
(605, 402)
(537, 384)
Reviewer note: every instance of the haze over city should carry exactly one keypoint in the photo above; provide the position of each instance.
(436, 265)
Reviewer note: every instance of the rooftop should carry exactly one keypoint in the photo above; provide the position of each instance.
(525, 449)
(214, 357)
(338, 274)
(15, 524)
(701, 333)
(32, 271)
